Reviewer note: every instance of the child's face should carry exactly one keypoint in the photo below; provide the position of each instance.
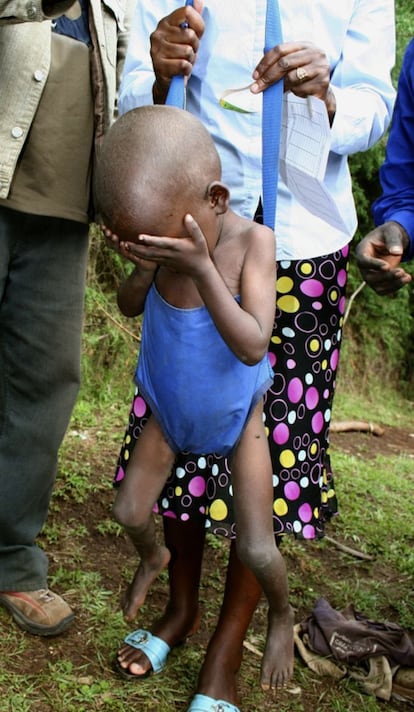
(166, 218)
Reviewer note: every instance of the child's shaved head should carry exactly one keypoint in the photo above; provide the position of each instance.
(154, 158)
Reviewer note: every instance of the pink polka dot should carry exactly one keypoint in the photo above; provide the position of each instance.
(342, 277)
(272, 359)
(334, 359)
(312, 288)
(139, 407)
(197, 486)
(312, 398)
(290, 363)
(170, 514)
(292, 490)
(317, 422)
(281, 434)
(317, 305)
(305, 512)
(295, 390)
(120, 474)
(185, 517)
(345, 250)
(342, 305)
(308, 532)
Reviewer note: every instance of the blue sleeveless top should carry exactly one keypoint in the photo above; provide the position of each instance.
(201, 394)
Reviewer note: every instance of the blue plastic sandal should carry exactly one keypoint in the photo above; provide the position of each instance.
(203, 703)
(154, 648)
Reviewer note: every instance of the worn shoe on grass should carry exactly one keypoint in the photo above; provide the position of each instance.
(40, 612)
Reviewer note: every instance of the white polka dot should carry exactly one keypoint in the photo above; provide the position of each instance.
(297, 527)
(215, 470)
(304, 482)
(202, 463)
(309, 378)
(180, 472)
(302, 455)
(292, 417)
(327, 415)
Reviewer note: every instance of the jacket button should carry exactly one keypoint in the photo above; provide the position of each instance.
(31, 11)
(39, 75)
(17, 132)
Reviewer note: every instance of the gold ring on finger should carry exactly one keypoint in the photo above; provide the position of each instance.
(302, 74)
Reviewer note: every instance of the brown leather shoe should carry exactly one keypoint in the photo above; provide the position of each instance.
(39, 612)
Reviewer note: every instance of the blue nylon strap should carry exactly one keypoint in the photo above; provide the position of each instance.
(271, 121)
(176, 92)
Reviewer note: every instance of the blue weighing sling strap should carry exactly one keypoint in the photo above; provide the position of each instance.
(271, 117)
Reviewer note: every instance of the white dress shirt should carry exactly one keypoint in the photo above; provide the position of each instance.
(358, 37)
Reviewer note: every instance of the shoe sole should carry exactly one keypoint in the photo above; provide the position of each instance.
(36, 628)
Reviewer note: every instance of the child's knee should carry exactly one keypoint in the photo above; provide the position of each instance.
(125, 513)
(256, 556)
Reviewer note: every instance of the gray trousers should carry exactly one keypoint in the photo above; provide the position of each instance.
(42, 282)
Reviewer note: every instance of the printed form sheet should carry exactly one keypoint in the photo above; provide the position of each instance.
(304, 150)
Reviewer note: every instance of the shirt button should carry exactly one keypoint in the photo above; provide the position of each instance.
(39, 75)
(17, 132)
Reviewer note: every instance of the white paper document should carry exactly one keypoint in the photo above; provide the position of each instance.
(304, 150)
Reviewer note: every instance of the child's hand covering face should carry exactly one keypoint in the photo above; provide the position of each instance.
(187, 254)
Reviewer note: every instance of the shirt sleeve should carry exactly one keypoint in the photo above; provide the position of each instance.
(397, 172)
(138, 74)
(361, 79)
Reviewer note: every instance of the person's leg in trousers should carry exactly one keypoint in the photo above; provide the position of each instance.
(42, 279)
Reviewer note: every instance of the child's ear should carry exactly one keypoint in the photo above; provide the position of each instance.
(219, 196)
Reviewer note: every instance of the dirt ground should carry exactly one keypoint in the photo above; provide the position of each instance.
(99, 555)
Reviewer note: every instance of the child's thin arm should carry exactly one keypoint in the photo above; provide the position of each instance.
(133, 290)
(246, 328)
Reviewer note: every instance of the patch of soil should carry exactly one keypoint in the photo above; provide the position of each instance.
(393, 441)
(112, 556)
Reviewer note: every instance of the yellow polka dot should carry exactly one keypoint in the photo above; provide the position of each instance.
(288, 304)
(126, 454)
(178, 491)
(316, 513)
(306, 268)
(314, 345)
(324, 497)
(267, 431)
(127, 439)
(284, 285)
(287, 458)
(280, 507)
(313, 448)
(331, 494)
(324, 365)
(218, 510)
(276, 340)
(334, 295)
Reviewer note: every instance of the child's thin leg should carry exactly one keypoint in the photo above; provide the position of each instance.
(256, 546)
(147, 471)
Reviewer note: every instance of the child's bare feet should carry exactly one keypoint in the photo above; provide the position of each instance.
(277, 665)
(146, 573)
